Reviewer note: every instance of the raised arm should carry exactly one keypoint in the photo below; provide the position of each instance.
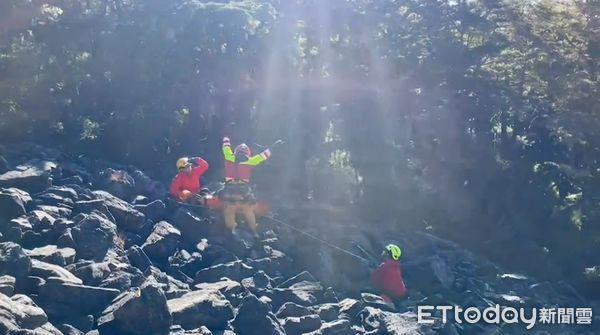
(227, 152)
(201, 165)
(257, 159)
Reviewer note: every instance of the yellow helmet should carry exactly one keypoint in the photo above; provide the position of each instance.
(394, 251)
(182, 163)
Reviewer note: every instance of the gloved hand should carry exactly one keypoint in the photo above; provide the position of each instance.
(193, 160)
(275, 144)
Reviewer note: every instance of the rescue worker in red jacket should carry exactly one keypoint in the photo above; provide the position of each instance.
(185, 186)
(237, 196)
(387, 277)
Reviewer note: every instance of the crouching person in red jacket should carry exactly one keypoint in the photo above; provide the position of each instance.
(185, 186)
(387, 277)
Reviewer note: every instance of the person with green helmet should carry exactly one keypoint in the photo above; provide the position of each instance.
(387, 277)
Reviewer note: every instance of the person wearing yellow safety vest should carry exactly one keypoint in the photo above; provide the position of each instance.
(237, 195)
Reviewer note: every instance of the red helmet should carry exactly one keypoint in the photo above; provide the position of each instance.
(244, 149)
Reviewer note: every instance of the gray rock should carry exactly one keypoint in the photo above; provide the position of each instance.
(88, 206)
(52, 254)
(233, 270)
(63, 191)
(20, 312)
(254, 318)
(138, 258)
(303, 293)
(258, 284)
(52, 199)
(376, 301)
(327, 312)
(66, 240)
(46, 270)
(117, 182)
(301, 325)
(82, 298)
(13, 203)
(127, 217)
(29, 178)
(14, 229)
(47, 329)
(290, 309)
(162, 242)
(4, 166)
(177, 330)
(142, 310)
(302, 276)
(13, 260)
(188, 263)
(198, 308)
(145, 185)
(93, 236)
(442, 272)
(350, 307)
(67, 329)
(154, 210)
(225, 286)
(338, 327)
(7, 285)
(383, 322)
(192, 227)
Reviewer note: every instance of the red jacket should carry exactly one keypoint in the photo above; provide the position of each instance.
(188, 181)
(388, 278)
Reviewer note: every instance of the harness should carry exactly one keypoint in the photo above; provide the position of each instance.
(237, 191)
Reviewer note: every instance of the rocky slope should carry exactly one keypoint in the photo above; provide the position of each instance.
(88, 247)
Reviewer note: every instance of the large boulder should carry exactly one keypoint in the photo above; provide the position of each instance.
(32, 179)
(141, 310)
(350, 307)
(154, 210)
(254, 318)
(301, 325)
(93, 236)
(19, 312)
(192, 227)
(127, 217)
(46, 270)
(198, 308)
(162, 242)
(303, 293)
(188, 263)
(226, 286)
(14, 261)
(88, 206)
(13, 203)
(259, 284)
(59, 297)
(146, 186)
(117, 182)
(53, 254)
(138, 258)
(7, 285)
(14, 229)
(290, 309)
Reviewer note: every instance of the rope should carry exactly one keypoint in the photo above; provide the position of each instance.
(329, 244)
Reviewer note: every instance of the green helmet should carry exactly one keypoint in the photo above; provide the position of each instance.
(394, 251)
